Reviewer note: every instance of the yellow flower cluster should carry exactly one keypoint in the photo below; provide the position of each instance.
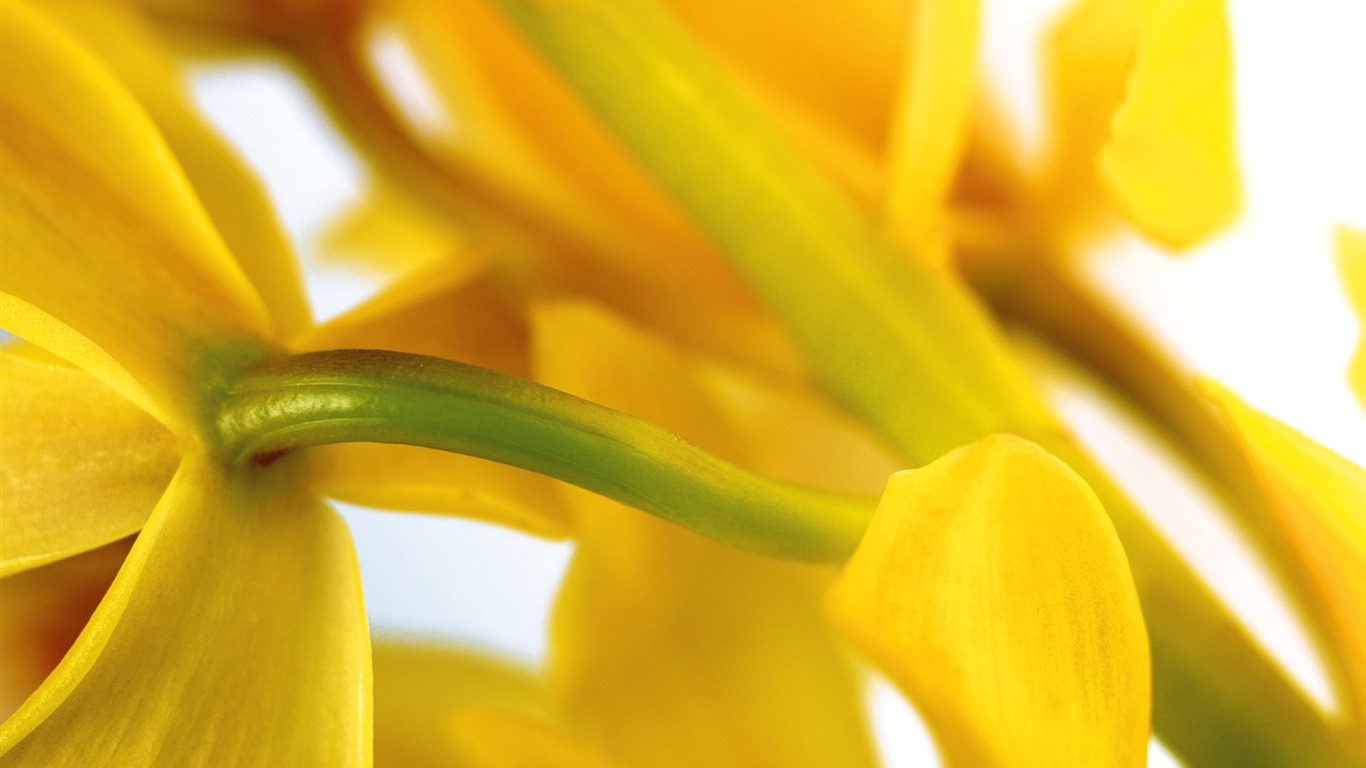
(786, 233)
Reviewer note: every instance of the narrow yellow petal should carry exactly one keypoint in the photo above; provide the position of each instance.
(43, 610)
(1086, 58)
(993, 589)
(1170, 163)
(234, 634)
(100, 229)
(669, 649)
(82, 465)
(929, 128)
(1319, 502)
(420, 688)
(493, 738)
(1351, 245)
(230, 192)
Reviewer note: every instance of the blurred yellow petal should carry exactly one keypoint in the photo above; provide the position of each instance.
(1351, 245)
(101, 231)
(1087, 58)
(452, 308)
(43, 610)
(846, 74)
(82, 465)
(228, 189)
(492, 738)
(523, 138)
(993, 589)
(1170, 163)
(239, 588)
(929, 128)
(669, 649)
(411, 479)
(1319, 502)
(420, 688)
(384, 231)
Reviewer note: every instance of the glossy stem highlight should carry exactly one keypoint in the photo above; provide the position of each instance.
(389, 397)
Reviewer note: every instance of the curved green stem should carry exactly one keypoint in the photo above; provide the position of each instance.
(390, 397)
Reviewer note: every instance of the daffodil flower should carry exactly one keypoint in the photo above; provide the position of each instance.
(239, 578)
(240, 583)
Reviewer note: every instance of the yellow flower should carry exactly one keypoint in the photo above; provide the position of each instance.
(991, 585)
(241, 585)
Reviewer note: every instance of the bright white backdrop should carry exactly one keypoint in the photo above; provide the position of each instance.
(1259, 308)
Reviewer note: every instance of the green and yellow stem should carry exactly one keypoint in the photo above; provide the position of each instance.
(389, 397)
(901, 344)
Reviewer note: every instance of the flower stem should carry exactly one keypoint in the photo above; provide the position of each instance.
(389, 397)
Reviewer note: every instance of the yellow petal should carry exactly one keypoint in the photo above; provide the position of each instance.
(1319, 502)
(43, 610)
(1352, 266)
(101, 232)
(492, 738)
(409, 479)
(845, 75)
(929, 127)
(669, 649)
(1170, 163)
(1086, 59)
(234, 634)
(452, 308)
(383, 229)
(231, 193)
(419, 689)
(523, 136)
(82, 465)
(993, 589)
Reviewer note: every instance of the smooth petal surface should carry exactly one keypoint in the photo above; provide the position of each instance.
(1087, 57)
(241, 589)
(1319, 501)
(420, 688)
(386, 231)
(1351, 245)
(82, 465)
(669, 649)
(233, 196)
(993, 589)
(102, 235)
(410, 479)
(1170, 163)
(43, 610)
(491, 738)
(928, 129)
(837, 98)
